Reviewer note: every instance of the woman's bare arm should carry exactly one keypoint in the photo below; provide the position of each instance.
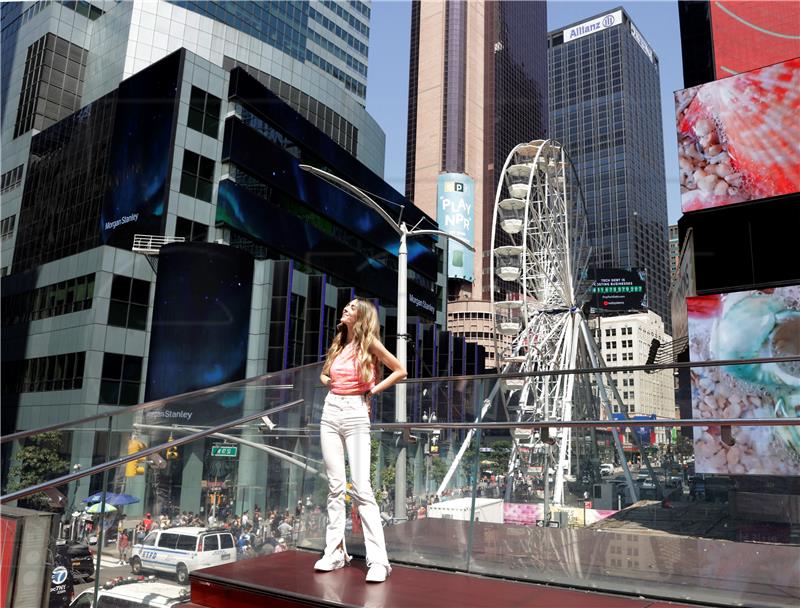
(377, 349)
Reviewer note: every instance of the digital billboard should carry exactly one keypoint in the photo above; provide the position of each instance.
(201, 320)
(737, 137)
(138, 167)
(751, 34)
(455, 214)
(746, 325)
(617, 289)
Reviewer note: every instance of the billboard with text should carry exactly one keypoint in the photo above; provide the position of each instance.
(455, 214)
(618, 289)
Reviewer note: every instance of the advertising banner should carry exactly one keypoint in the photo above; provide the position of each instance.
(455, 214)
(617, 289)
(138, 167)
(737, 137)
(750, 35)
(201, 320)
(746, 325)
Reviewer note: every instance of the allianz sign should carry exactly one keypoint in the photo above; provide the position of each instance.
(595, 25)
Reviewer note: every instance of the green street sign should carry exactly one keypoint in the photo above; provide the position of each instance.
(228, 451)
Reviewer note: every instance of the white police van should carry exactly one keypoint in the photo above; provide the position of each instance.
(182, 550)
(133, 593)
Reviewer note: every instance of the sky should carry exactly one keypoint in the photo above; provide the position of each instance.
(387, 84)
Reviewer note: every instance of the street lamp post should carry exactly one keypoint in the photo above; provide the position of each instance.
(404, 234)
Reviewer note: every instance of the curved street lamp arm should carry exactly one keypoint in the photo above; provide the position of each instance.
(458, 239)
(356, 192)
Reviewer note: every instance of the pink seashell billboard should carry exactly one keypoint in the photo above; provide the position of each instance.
(739, 137)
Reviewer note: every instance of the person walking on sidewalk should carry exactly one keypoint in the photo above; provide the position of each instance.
(351, 373)
(122, 546)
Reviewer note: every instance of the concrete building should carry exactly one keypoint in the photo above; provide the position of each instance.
(625, 340)
(605, 108)
(477, 87)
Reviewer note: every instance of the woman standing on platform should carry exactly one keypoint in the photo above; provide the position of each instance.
(351, 374)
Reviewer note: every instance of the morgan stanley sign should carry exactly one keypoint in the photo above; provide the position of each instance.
(595, 25)
(455, 213)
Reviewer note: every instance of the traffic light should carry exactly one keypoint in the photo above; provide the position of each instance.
(172, 451)
(651, 355)
(135, 467)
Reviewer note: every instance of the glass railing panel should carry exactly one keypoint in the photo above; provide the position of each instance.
(83, 444)
(710, 534)
(244, 482)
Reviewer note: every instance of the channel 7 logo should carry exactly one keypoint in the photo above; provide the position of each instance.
(453, 187)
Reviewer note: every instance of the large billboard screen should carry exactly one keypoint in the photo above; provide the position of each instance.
(618, 289)
(750, 35)
(746, 325)
(455, 214)
(201, 323)
(138, 167)
(737, 137)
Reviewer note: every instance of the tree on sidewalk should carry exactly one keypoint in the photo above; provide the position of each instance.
(34, 463)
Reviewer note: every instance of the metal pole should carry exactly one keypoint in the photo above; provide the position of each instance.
(101, 532)
(400, 389)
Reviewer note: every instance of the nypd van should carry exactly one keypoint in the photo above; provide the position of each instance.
(182, 550)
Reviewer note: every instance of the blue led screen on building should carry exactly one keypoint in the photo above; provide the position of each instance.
(138, 172)
(201, 320)
(313, 239)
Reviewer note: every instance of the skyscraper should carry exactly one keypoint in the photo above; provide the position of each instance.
(605, 108)
(477, 87)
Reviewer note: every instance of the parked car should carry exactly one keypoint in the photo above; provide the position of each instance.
(606, 469)
(80, 559)
(182, 550)
(133, 593)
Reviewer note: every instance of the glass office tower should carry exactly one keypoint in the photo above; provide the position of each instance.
(605, 108)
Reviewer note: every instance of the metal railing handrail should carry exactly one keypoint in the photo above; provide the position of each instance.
(550, 424)
(606, 369)
(111, 464)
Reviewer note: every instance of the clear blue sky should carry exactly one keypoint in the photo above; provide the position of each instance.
(387, 84)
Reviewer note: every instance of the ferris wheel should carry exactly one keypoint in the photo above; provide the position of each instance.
(540, 252)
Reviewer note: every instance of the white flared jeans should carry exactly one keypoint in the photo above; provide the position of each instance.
(345, 426)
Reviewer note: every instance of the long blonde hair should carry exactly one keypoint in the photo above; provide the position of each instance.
(366, 330)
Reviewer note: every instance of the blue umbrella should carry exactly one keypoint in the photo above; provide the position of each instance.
(112, 499)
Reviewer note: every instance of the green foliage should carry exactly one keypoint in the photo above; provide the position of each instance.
(37, 462)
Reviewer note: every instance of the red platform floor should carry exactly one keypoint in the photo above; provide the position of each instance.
(287, 579)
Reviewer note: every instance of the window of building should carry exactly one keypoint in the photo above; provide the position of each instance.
(59, 298)
(52, 83)
(297, 326)
(204, 110)
(54, 373)
(129, 301)
(197, 177)
(120, 379)
(191, 231)
(11, 179)
(7, 227)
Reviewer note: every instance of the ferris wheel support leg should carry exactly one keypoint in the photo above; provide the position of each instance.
(594, 356)
(467, 441)
(568, 386)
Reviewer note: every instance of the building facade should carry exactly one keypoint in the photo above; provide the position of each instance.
(674, 248)
(625, 340)
(477, 87)
(193, 150)
(605, 109)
